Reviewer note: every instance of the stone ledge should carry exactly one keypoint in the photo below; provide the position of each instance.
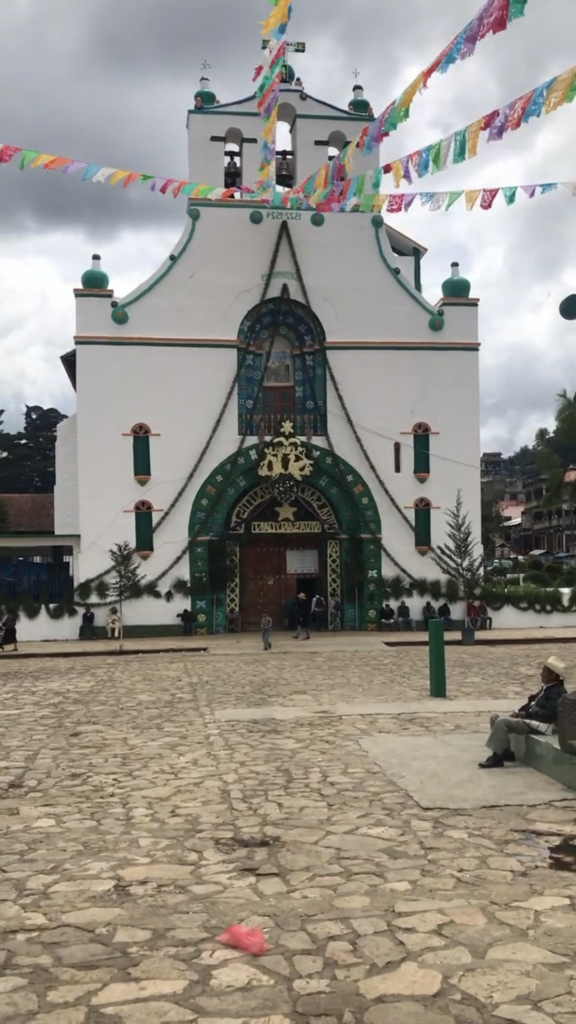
(543, 754)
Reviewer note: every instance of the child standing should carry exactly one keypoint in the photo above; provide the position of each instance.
(266, 627)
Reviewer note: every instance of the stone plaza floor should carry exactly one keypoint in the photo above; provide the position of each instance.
(146, 804)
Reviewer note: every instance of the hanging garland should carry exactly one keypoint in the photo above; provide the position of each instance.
(454, 149)
(495, 16)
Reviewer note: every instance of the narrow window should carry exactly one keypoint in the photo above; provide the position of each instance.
(421, 433)
(144, 528)
(423, 525)
(397, 457)
(233, 142)
(141, 434)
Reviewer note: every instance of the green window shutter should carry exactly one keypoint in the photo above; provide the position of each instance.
(141, 456)
(144, 532)
(422, 530)
(421, 456)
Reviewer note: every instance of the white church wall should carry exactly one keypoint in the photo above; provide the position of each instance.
(149, 612)
(386, 393)
(219, 278)
(178, 392)
(66, 509)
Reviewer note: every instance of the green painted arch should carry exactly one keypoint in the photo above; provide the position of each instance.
(339, 483)
(336, 480)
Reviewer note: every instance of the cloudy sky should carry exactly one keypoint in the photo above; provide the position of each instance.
(110, 82)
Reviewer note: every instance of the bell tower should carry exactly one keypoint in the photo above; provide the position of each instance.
(225, 138)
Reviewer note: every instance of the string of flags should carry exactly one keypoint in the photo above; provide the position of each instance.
(269, 78)
(494, 17)
(456, 148)
(33, 159)
(463, 144)
(364, 199)
(474, 198)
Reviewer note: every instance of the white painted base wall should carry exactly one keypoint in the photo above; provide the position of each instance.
(158, 613)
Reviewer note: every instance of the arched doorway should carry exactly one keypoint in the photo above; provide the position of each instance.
(252, 548)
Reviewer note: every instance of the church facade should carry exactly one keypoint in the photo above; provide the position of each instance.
(278, 409)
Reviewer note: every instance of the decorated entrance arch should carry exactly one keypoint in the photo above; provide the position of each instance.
(344, 514)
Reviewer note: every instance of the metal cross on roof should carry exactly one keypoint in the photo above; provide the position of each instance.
(356, 74)
(205, 66)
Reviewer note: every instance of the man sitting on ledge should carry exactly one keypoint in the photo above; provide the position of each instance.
(541, 709)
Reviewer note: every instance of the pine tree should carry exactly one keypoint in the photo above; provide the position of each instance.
(457, 558)
(126, 580)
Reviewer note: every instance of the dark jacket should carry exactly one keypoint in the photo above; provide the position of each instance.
(546, 704)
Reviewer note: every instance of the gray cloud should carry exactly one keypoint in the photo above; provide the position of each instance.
(110, 83)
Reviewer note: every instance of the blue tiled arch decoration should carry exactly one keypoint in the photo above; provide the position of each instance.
(303, 330)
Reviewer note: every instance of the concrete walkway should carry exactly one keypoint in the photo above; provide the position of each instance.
(249, 643)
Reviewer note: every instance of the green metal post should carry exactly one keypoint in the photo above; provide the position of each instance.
(437, 654)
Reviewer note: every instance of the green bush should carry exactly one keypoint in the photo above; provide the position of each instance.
(568, 578)
(534, 565)
(553, 570)
(536, 579)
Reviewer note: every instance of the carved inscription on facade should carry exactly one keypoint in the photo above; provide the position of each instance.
(287, 527)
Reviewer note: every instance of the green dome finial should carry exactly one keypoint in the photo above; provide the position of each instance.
(95, 279)
(455, 286)
(359, 104)
(205, 97)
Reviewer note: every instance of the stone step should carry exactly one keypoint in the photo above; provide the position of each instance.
(543, 754)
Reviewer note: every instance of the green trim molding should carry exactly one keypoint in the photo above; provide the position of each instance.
(378, 225)
(345, 491)
(119, 313)
(334, 346)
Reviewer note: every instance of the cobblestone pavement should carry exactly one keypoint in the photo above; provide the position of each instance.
(135, 826)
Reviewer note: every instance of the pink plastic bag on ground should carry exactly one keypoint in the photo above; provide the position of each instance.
(250, 940)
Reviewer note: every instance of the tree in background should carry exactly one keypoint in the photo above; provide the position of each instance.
(458, 558)
(28, 457)
(126, 580)
(556, 457)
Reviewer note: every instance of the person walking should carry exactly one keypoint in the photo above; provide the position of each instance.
(319, 612)
(9, 627)
(302, 618)
(266, 628)
(187, 621)
(335, 614)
